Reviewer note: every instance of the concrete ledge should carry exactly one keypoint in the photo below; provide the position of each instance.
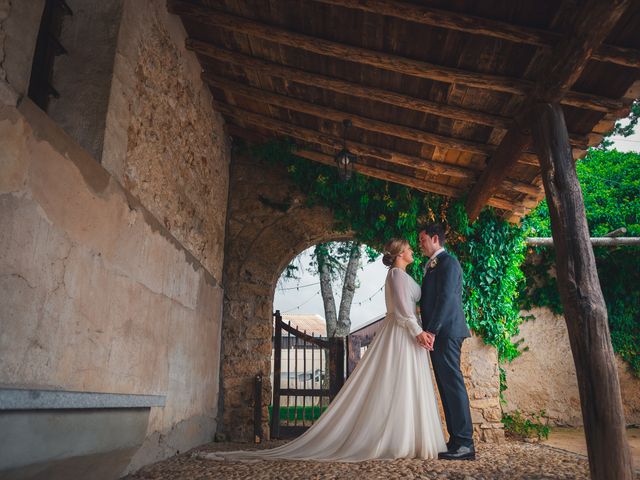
(32, 399)
(34, 444)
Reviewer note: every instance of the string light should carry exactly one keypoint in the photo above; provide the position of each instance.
(298, 287)
(303, 303)
(371, 297)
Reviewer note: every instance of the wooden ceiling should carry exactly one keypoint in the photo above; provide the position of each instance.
(437, 91)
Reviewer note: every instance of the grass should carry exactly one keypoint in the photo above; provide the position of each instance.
(299, 412)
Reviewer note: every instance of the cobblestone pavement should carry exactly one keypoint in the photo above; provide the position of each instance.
(511, 460)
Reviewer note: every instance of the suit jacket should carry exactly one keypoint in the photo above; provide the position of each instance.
(441, 301)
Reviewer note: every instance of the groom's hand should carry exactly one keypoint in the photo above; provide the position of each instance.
(423, 340)
(430, 338)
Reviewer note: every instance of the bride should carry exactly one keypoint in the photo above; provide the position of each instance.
(387, 408)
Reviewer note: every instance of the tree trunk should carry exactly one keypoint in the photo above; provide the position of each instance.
(348, 291)
(327, 291)
(584, 307)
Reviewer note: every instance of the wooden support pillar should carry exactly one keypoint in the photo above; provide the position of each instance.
(584, 307)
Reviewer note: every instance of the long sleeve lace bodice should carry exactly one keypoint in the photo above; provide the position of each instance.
(401, 295)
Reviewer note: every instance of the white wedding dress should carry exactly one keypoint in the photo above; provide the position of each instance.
(386, 409)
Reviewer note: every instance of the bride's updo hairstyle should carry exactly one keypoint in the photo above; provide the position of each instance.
(392, 250)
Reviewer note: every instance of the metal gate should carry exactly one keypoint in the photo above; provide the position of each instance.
(308, 372)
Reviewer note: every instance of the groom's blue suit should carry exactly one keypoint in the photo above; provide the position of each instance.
(442, 315)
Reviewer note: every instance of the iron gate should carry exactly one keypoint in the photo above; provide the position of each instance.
(300, 380)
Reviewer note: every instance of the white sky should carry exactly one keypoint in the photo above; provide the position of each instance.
(371, 277)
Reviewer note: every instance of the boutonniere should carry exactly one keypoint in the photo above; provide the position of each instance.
(432, 264)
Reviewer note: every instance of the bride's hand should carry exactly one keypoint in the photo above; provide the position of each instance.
(423, 340)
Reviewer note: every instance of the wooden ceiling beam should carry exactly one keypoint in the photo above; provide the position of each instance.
(408, 181)
(591, 26)
(327, 113)
(386, 61)
(306, 135)
(291, 74)
(383, 174)
(341, 51)
(313, 136)
(358, 121)
(461, 22)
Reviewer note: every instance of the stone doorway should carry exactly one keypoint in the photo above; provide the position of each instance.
(268, 224)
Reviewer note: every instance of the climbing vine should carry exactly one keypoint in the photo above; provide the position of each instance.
(490, 250)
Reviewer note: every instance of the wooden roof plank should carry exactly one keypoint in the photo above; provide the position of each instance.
(388, 156)
(357, 54)
(385, 61)
(591, 25)
(483, 26)
(386, 128)
(328, 113)
(350, 88)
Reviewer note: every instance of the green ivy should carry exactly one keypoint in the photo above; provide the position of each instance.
(527, 426)
(490, 250)
(610, 182)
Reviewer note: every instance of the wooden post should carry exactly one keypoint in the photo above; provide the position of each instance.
(584, 308)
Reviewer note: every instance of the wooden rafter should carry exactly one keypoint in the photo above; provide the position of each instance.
(306, 135)
(385, 128)
(279, 127)
(373, 125)
(277, 82)
(591, 25)
(354, 89)
(349, 88)
(386, 61)
(406, 180)
(364, 56)
(434, 17)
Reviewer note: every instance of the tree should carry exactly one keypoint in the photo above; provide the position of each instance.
(336, 264)
(334, 260)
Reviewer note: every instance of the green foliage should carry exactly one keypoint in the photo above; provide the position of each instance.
(527, 426)
(490, 250)
(491, 254)
(610, 182)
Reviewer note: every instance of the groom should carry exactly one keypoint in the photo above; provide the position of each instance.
(445, 329)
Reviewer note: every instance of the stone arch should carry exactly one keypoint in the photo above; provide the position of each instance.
(268, 224)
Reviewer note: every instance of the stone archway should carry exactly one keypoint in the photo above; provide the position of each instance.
(268, 224)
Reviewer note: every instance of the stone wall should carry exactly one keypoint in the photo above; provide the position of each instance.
(164, 142)
(544, 378)
(110, 276)
(267, 226)
(95, 294)
(479, 365)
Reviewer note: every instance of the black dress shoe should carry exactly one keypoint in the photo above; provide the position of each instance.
(460, 453)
